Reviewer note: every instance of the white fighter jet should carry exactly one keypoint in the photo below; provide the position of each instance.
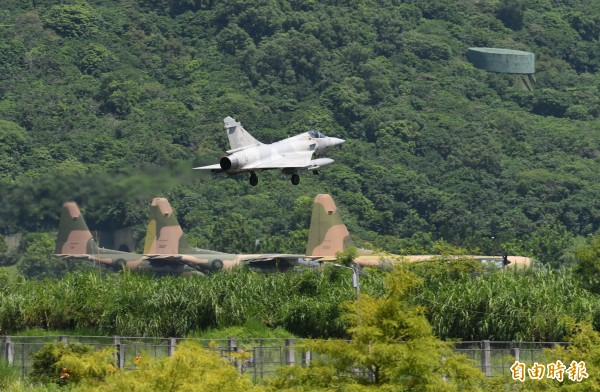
(248, 155)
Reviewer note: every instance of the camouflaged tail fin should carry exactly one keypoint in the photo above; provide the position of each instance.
(328, 234)
(74, 237)
(164, 234)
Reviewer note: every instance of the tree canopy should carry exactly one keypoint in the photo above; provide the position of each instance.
(111, 104)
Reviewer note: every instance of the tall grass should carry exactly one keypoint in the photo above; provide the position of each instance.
(462, 302)
(507, 305)
(308, 303)
(8, 376)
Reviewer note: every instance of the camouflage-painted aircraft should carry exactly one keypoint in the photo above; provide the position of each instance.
(328, 235)
(248, 155)
(75, 241)
(165, 240)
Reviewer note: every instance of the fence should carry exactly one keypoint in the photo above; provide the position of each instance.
(258, 358)
(496, 357)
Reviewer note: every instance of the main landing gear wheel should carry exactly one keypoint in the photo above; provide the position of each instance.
(253, 179)
(118, 265)
(295, 179)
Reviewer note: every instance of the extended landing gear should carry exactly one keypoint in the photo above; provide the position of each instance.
(253, 179)
(118, 265)
(295, 179)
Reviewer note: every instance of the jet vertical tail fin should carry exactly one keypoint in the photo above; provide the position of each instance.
(328, 234)
(164, 234)
(74, 237)
(239, 138)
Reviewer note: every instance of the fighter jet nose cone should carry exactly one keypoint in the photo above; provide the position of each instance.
(338, 142)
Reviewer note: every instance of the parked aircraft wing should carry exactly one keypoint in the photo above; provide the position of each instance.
(75, 256)
(293, 259)
(173, 258)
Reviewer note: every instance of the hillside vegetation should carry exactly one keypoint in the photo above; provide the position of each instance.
(112, 103)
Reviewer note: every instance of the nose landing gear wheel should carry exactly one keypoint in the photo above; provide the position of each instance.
(295, 179)
(253, 179)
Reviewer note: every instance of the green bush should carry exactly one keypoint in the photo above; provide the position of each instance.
(46, 366)
(71, 19)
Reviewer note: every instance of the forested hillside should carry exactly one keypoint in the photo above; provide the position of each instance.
(112, 103)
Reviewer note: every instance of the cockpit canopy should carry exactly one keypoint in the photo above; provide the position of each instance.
(316, 134)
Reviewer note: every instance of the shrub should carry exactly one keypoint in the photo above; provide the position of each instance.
(46, 368)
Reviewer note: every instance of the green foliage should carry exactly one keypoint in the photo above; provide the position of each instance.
(11, 56)
(15, 145)
(119, 95)
(71, 19)
(9, 280)
(91, 366)
(393, 341)
(511, 13)
(294, 242)
(548, 244)
(9, 375)
(439, 155)
(96, 59)
(306, 304)
(46, 362)
(11, 380)
(584, 346)
(233, 234)
(346, 257)
(463, 300)
(423, 47)
(446, 269)
(530, 305)
(233, 39)
(437, 151)
(587, 268)
(190, 368)
(38, 262)
(287, 58)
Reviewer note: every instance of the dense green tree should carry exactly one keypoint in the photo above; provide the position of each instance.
(232, 233)
(15, 144)
(11, 57)
(95, 59)
(71, 19)
(393, 342)
(37, 260)
(587, 268)
(233, 39)
(45, 361)
(511, 13)
(190, 368)
(548, 244)
(119, 94)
